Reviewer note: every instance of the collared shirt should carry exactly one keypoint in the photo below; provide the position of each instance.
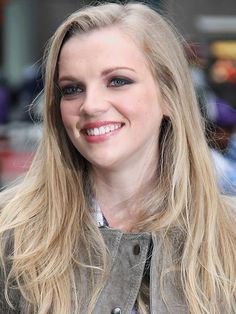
(98, 215)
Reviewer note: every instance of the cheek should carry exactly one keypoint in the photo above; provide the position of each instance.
(149, 109)
(67, 115)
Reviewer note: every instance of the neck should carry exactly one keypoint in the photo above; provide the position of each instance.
(118, 193)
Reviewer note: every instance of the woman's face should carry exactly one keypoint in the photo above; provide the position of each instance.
(110, 105)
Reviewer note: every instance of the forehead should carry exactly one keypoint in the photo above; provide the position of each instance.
(111, 44)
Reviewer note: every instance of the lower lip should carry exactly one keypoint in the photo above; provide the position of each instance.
(100, 138)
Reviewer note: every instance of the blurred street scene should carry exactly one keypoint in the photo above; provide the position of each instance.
(209, 29)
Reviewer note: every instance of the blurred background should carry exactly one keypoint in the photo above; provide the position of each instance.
(209, 28)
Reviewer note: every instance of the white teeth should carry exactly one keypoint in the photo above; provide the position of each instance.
(107, 129)
(89, 132)
(103, 129)
(96, 131)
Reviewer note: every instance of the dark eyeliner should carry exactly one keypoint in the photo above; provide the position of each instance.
(70, 90)
(120, 81)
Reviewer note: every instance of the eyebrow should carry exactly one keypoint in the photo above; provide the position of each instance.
(68, 78)
(110, 70)
(104, 73)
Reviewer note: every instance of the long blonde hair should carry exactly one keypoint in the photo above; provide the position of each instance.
(47, 214)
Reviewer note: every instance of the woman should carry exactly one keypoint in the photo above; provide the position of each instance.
(120, 210)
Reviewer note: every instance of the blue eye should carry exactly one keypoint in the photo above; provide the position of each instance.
(71, 90)
(119, 81)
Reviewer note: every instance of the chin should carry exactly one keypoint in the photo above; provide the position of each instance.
(104, 164)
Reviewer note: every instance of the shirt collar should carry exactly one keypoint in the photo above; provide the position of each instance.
(98, 215)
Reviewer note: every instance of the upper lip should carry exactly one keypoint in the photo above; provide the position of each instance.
(98, 124)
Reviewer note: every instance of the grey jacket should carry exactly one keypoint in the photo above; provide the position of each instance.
(128, 253)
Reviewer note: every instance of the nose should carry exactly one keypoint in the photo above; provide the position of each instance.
(94, 102)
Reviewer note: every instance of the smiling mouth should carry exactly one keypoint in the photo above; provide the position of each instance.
(105, 129)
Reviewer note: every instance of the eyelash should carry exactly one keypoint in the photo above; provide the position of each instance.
(71, 90)
(122, 81)
(115, 82)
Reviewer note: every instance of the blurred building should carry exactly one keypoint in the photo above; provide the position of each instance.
(210, 26)
(203, 20)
